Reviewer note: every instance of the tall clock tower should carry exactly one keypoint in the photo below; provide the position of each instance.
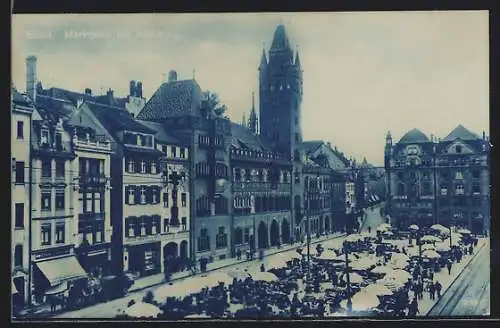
(280, 97)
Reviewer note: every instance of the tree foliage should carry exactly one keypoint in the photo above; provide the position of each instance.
(214, 105)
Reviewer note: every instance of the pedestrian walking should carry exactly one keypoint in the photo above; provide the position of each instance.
(413, 308)
(432, 291)
(471, 250)
(369, 229)
(238, 254)
(262, 268)
(448, 265)
(438, 287)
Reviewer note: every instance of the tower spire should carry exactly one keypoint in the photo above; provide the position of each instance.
(263, 59)
(252, 121)
(243, 120)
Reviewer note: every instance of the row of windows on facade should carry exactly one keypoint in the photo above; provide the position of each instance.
(91, 166)
(459, 175)
(261, 175)
(46, 233)
(220, 205)
(45, 137)
(137, 139)
(150, 195)
(459, 201)
(205, 140)
(46, 200)
(426, 189)
(151, 225)
(441, 162)
(204, 239)
(204, 168)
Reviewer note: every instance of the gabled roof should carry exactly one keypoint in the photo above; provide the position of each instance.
(64, 94)
(161, 133)
(242, 137)
(173, 99)
(414, 136)
(54, 109)
(116, 119)
(460, 132)
(311, 146)
(74, 97)
(19, 99)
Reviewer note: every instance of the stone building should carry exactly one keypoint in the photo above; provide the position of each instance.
(93, 153)
(247, 179)
(54, 218)
(435, 180)
(23, 113)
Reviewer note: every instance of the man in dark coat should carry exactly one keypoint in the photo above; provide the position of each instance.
(438, 287)
(413, 308)
(448, 265)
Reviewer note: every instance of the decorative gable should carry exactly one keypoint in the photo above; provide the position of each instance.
(458, 148)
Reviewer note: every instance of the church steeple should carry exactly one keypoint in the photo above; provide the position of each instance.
(243, 120)
(253, 121)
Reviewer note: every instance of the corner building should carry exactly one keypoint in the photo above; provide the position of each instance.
(442, 181)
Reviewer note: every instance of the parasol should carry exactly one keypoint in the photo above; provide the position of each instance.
(142, 310)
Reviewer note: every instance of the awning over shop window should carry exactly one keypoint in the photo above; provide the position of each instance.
(62, 269)
(14, 289)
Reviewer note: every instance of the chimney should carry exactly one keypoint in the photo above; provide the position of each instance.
(172, 76)
(110, 96)
(31, 77)
(138, 89)
(88, 91)
(133, 89)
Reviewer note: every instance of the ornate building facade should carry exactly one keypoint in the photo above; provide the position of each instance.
(439, 180)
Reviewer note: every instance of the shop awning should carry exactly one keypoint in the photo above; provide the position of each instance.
(62, 269)
(14, 289)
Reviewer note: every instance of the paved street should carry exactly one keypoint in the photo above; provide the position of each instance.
(373, 218)
(112, 308)
(470, 293)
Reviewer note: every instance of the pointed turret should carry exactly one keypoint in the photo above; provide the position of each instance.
(252, 121)
(297, 60)
(244, 120)
(280, 39)
(263, 60)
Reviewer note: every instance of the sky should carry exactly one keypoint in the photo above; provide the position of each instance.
(365, 73)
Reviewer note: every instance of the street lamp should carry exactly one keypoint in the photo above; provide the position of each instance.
(348, 280)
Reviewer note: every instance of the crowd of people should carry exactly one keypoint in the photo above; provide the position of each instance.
(327, 286)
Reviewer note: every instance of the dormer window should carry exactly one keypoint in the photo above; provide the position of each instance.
(459, 189)
(288, 86)
(44, 138)
(153, 167)
(458, 175)
(281, 87)
(143, 167)
(139, 140)
(458, 149)
(143, 229)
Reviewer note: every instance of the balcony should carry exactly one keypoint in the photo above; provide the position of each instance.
(86, 217)
(91, 143)
(97, 179)
(257, 156)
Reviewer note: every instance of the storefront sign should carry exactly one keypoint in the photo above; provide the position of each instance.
(65, 250)
(157, 238)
